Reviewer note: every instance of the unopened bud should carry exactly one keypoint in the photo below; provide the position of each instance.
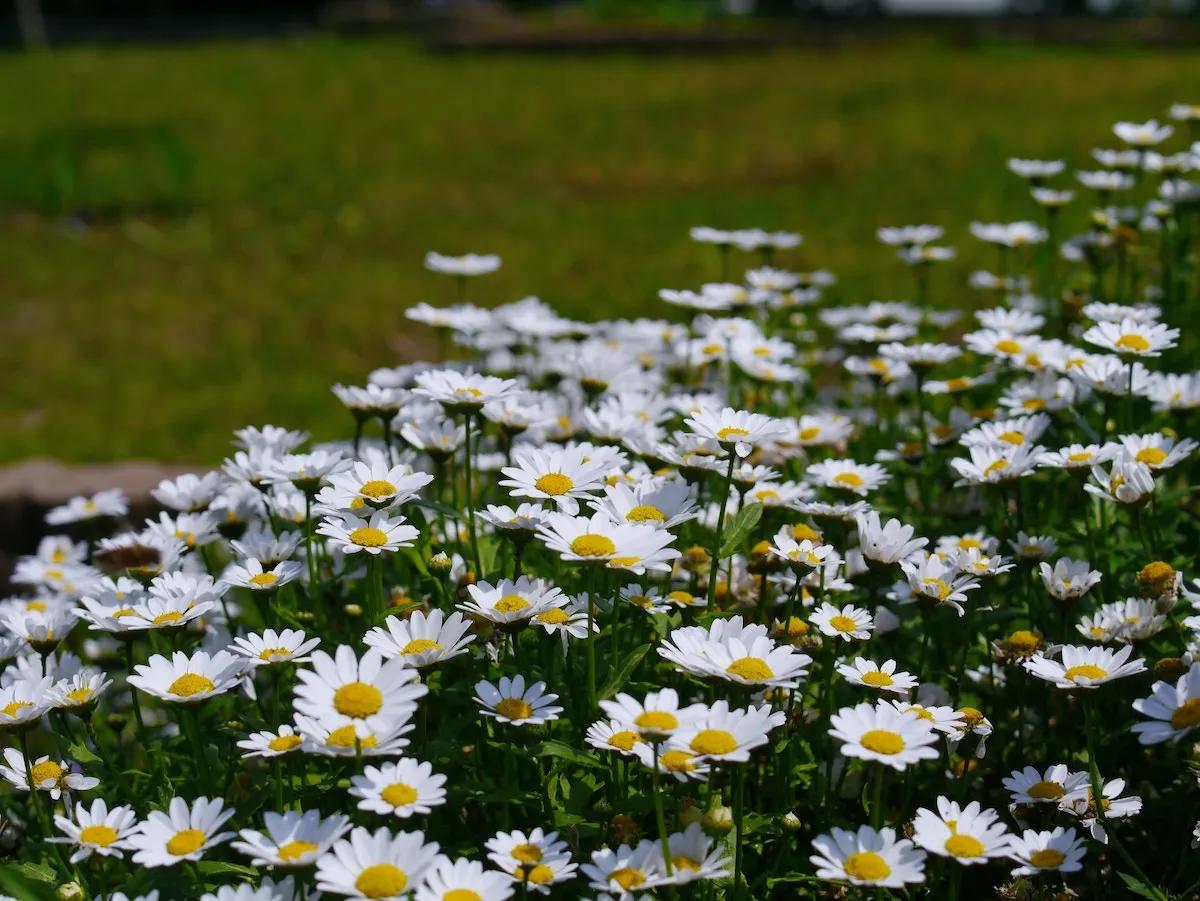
(718, 821)
(689, 814)
(69, 891)
(791, 822)
(1169, 669)
(440, 563)
(353, 610)
(304, 616)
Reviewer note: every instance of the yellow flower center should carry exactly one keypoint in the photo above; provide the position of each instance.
(539, 875)
(843, 623)
(1186, 715)
(1086, 671)
(383, 880)
(554, 484)
(366, 536)
(270, 654)
(169, 618)
(1151, 456)
(957, 384)
(997, 466)
(1024, 641)
(730, 433)
(398, 794)
(623, 561)
(1046, 791)
(877, 678)
(678, 761)
(680, 862)
(1081, 457)
(714, 742)
(462, 894)
(555, 617)
(345, 738)
(1014, 438)
(850, 479)
(751, 669)
(656, 720)
(514, 709)
(295, 850)
(882, 741)
(964, 846)
(627, 877)
(358, 700)
(593, 546)
(767, 494)
(186, 842)
(682, 598)
(80, 695)
(1047, 858)
(645, 513)
(264, 580)
(527, 853)
(377, 488)
(98, 835)
(971, 716)
(47, 771)
(470, 392)
(866, 866)
(922, 713)
(12, 708)
(1008, 346)
(357, 503)
(624, 740)
(190, 684)
(511, 603)
(283, 743)
(809, 433)
(1135, 343)
(420, 646)
(36, 606)
(1034, 403)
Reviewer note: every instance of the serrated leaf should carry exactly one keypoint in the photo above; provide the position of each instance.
(739, 528)
(39, 872)
(622, 673)
(1138, 887)
(563, 751)
(81, 753)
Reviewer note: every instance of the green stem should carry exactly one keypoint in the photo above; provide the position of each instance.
(190, 721)
(739, 816)
(591, 641)
(713, 564)
(877, 801)
(471, 502)
(659, 817)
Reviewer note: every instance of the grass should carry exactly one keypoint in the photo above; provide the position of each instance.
(260, 211)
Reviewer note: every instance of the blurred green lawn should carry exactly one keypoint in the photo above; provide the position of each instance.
(262, 210)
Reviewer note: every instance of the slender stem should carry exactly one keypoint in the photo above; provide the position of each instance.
(190, 721)
(591, 640)
(739, 817)
(659, 817)
(310, 556)
(471, 502)
(713, 564)
(877, 801)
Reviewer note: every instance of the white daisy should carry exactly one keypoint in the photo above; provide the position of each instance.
(345, 690)
(383, 532)
(375, 865)
(422, 640)
(403, 789)
(291, 839)
(1086, 667)
(881, 733)
(867, 857)
(96, 830)
(463, 880)
(188, 680)
(1173, 710)
(181, 833)
(1042, 852)
(511, 702)
(849, 622)
(1054, 786)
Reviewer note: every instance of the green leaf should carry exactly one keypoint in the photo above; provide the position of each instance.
(218, 867)
(39, 872)
(1139, 888)
(81, 753)
(563, 751)
(622, 673)
(739, 528)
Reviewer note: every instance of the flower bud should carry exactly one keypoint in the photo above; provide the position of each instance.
(353, 610)
(688, 814)
(718, 821)
(1170, 668)
(69, 891)
(440, 563)
(791, 822)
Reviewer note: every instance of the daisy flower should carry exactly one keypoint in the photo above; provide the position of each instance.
(292, 838)
(881, 733)
(867, 857)
(348, 691)
(469, 264)
(613, 735)
(268, 890)
(1144, 134)
(1055, 785)
(1157, 451)
(872, 675)
(80, 692)
(463, 392)
(53, 777)
(939, 579)
(306, 472)
(968, 834)
(329, 738)
(181, 833)
(266, 547)
(511, 702)
(24, 702)
(253, 575)
(1068, 579)
(849, 622)
(271, 744)
(189, 493)
(376, 484)
(349, 534)
(990, 465)
(942, 718)
(1077, 456)
(375, 865)
(463, 880)
(803, 554)
(1114, 806)
(664, 505)
(721, 734)
(112, 502)
(675, 762)
(635, 547)
(736, 430)
(288, 646)
(626, 871)
(96, 830)
(1127, 482)
(404, 788)
(1086, 667)
(695, 856)
(422, 640)
(509, 603)
(524, 518)
(1042, 852)
(888, 543)
(188, 680)
(656, 718)
(561, 475)
(1173, 710)
(1131, 338)
(847, 475)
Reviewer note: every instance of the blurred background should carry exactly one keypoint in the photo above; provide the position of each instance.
(212, 211)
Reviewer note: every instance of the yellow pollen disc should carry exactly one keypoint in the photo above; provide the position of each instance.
(1086, 671)
(677, 761)
(882, 741)
(269, 654)
(1081, 457)
(714, 742)
(264, 580)
(1014, 438)
(539, 875)
(420, 646)
(555, 617)
(59, 556)
(645, 513)
(878, 365)
(295, 850)
(627, 877)
(12, 708)
(1033, 403)
(623, 561)
(365, 536)
(711, 349)
(283, 743)
(958, 384)
(624, 741)
(751, 669)
(344, 738)
(511, 603)
(866, 866)
(470, 392)
(964, 846)
(398, 794)
(1151, 456)
(766, 494)
(554, 484)
(98, 835)
(850, 479)
(190, 684)
(995, 467)
(971, 716)
(358, 699)
(377, 488)
(968, 544)
(47, 771)
(1047, 858)
(36, 606)
(762, 351)
(922, 713)
(1186, 715)
(462, 894)
(169, 618)
(357, 503)
(1046, 791)
(383, 880)
(188, 538)
(80, 695)
(527, 853)
(680, 862)
(730, 433)
(1008, 346)
(124, 611)
(593, 546)
(186, 842)
(656, 720)
(681, 597)
(843, 623)
(941, 432)
(1024, 641)
(809, 433)
(514, 709)
(877, 678)
(1136, 343)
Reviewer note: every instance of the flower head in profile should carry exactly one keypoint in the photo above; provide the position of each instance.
(968, 834)
(1086, 667)
(736, 430)
(509, 701)
(382, 533)
(469, 264)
